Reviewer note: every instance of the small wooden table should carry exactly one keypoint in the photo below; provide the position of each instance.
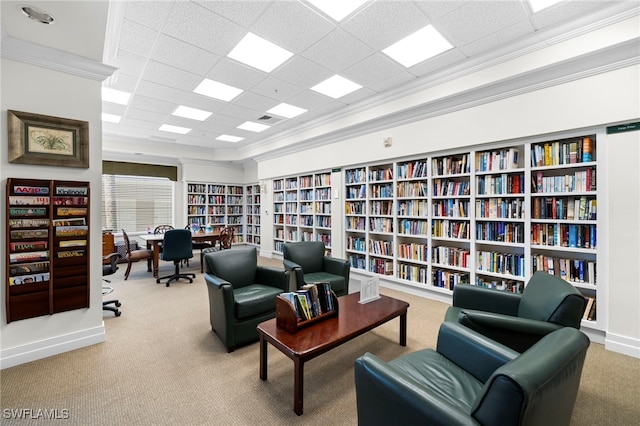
(353, 319)
(153, 242)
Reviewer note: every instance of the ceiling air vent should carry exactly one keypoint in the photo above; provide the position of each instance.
(267, 119)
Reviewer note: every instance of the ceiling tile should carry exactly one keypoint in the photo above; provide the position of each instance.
(158, 91)
(179, 54)
(385, 22)
(302, 72)
(124, 82)
(170, 76)
(475, 20)
(243, 13)
(497, 39)
(128, 63)
(237, 111)
(144, 115)
(391, 83)
(151, 104)
(235, 74)
(136, 38)
(201, 27)
(291, 25)
(356, 96)
(311, 100)
(375, 68)
(562, 12)
(275, 88)
(151, 14)
(436, 9)
(437, 63)
(351, 50)
(255, 101)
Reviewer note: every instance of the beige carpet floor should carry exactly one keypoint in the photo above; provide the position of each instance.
(161, 365)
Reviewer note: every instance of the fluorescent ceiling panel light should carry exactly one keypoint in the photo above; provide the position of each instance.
(192, 113)
(217, 90)
(336, 87)
(417, 47)
(174, 129)
(115, 96)
(538, 5)
(337, 9)
(229, 138)
(253, 127)
(286, 110)
(259, 53)
(111, 118)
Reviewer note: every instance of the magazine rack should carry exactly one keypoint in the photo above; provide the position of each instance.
(287, 319)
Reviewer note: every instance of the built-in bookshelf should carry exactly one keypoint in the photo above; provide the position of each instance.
(490, 217)
(47, 248)
(302, 209)
(252, 234)
(217, 205)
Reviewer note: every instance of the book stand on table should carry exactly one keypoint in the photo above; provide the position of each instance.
(287, 318)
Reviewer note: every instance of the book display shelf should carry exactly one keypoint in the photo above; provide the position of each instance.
(216, 205)
(253, 214)
(489, 217)
(302, 209)
(47, 248)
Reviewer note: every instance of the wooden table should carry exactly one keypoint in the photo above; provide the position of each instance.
(153, 242)
(353, 319)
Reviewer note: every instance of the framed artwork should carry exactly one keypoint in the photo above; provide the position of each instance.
(46, 140)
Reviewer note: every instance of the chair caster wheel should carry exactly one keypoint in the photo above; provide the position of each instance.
(118, 304)
(118, 313)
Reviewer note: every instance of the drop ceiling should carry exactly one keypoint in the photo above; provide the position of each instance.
(164, 49)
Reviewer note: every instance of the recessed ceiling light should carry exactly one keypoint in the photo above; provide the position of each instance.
(174, 129)
(336, 87)
(229, 138)
(37, 15)
(111, 118)
(338, 10)
(538, 5)
(192, 113)
(217, 90)
(115, 96)
(259, 53)
(417, 47)
(253, 127)
(286, 110)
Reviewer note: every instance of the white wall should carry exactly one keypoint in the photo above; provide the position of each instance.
(32, 89)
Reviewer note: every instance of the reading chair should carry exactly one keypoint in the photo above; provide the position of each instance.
(307, 260)
(176, 247)
(242, 294)
(547, 303)
(472, 380)
(135, 255)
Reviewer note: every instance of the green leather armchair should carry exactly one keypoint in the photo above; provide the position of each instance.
(241, 294)
(306, 259)
(518, 320)
(472, 380)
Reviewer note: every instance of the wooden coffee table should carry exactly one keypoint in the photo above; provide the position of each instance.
(353, 319)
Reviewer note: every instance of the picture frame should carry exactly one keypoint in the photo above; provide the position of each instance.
(46, 140)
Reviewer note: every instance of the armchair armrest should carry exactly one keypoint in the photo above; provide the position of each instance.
(385, 395)
(273, 277)
(293, 267)
(337, 266)
(217, 282)
(507, 323)
(485, 299)
(472, 351)
(290, 265)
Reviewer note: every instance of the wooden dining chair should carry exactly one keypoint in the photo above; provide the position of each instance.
(135, 255)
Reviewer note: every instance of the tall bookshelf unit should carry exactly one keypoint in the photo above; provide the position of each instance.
(302, 209)
(252, 235)
(489, 217)
(47, 248)
(218, 205)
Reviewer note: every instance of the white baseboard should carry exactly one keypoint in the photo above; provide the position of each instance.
(52, 346)
(622, 344)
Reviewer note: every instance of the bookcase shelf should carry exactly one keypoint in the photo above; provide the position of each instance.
(253, 198)
(47, 248)
(490, 216)
(217, 205)
(302, 209)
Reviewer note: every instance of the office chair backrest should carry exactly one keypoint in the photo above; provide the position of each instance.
(177, 245)
(112, 266)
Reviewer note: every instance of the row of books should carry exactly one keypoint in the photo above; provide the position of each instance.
(312, 300)
(412, 189)
(500, 208)
(452, 256)
(412, 169)
(579, 181)
(572, 270)
(566, 152)
(500, 184)
(451, 165)
(450, 229)
(417, 274)
(501, 263)
(564, 235)
(448, 279)
(413, 208)
(511, 286)
(565, 208)
(446, 187)
(381, 247)
(503, 159)
(500, 232)
(381, 174)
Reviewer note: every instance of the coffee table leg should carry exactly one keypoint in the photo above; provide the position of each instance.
(403, 329)
(298, 385)
(263, 357)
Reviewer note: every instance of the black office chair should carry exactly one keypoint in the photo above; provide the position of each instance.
(177, 247)
(108, 269)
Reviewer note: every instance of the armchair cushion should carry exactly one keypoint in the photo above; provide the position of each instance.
(255, 299)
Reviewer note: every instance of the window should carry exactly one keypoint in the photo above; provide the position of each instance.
(134, 203)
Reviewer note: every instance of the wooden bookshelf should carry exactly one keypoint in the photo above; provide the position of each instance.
(47, 248)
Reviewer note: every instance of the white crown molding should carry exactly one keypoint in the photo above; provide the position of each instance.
(54, 59)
